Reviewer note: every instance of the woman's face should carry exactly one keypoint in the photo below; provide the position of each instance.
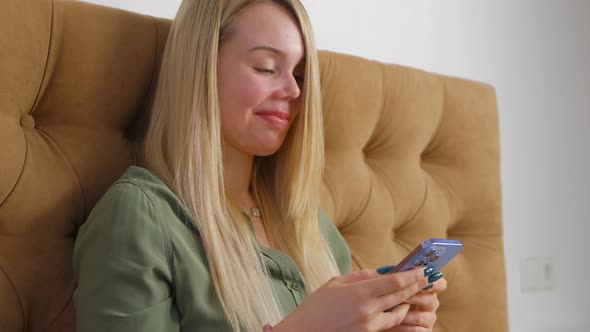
(260, 72)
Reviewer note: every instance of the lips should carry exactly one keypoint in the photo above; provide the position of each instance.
(276, 118)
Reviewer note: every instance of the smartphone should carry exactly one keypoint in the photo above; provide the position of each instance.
(434, 253)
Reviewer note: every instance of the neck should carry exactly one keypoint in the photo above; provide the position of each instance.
(237, 172)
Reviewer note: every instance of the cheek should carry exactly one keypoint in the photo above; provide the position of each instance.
(240, 94)
(297, 106)
(252, 92)
(238, 97)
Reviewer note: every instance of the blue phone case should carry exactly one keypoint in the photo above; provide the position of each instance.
(434, 253)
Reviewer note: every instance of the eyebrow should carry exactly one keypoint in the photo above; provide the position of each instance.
(271, 49)
(266, 48)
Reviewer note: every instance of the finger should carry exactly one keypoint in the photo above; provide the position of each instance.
(397, 281)
(409, 328)
(425, 319)
(356, 276)
(424, 301)
(392, 318)
(387, 301)
(438, 286)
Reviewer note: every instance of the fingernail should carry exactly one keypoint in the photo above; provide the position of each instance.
(428, 287)
(385, 269)
(435, 277)
(428, 271)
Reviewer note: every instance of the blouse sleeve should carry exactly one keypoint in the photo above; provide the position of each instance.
(122, 263)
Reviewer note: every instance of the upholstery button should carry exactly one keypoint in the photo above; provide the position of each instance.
(296, 286)
(27, 121)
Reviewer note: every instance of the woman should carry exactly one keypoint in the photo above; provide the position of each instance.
(221, 231)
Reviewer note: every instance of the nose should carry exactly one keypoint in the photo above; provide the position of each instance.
(290, 87)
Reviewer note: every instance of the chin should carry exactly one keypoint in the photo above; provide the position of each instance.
(267, 147)
(265, 152)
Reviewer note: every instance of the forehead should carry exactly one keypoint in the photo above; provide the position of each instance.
(267, 24)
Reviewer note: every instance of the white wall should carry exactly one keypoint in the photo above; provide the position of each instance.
(536, 53)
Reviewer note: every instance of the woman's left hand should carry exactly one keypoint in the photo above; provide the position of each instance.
(423, 306)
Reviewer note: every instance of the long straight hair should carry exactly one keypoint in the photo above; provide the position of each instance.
(183, 146)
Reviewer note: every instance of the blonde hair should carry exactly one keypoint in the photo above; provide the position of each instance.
(183, 146)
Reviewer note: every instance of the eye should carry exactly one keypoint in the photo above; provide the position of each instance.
(265, 71)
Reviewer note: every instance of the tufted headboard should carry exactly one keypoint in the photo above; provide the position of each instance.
(409, 155)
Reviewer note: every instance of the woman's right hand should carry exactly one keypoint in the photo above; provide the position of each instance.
(356, 302)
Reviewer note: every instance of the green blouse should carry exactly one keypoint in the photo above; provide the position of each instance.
(141, 265)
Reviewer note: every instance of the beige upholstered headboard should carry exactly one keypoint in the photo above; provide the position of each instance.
(410, 155)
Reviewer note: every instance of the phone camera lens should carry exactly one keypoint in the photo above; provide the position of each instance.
(430, 253)
(433, 258)
(419, 263)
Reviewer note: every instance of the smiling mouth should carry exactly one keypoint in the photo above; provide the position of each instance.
(277, 119)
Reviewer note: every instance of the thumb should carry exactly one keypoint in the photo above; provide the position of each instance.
(386, 269)
(357, 276)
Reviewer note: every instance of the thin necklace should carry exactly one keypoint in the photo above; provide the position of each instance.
(255, 212)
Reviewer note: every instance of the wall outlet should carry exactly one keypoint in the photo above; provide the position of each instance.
(537, 274)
